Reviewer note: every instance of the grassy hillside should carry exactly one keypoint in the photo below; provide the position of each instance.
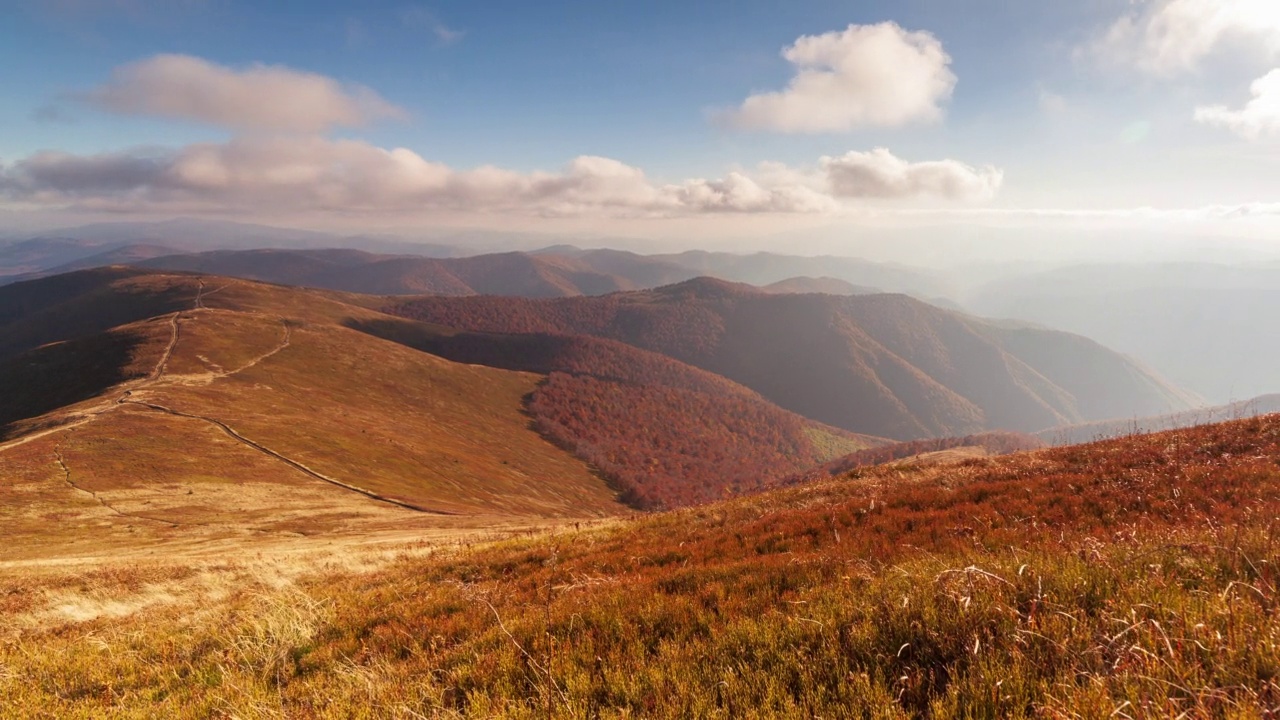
(885, 365)
(1130, 578)
(665, 433)
(342, 376)
(254, 409)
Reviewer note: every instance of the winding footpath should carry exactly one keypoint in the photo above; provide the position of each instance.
(155, 378)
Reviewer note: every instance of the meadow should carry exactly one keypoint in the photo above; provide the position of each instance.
(1129, 578)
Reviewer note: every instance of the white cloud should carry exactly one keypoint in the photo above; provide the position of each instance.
(866, 75)
(259, 98)
(308, 173)
(1258, 118)
(880, 174)
(1167, 37)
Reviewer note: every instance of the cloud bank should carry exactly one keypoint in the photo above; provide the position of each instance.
(1260, 117)
(261, 98)
(880, 174)
(866, 75)
(281, 158)
(319, 174)
(1168, 37)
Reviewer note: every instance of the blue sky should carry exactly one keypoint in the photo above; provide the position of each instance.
(1094, 107)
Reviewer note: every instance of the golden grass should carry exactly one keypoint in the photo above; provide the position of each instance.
(279, 423)
(1154, 594)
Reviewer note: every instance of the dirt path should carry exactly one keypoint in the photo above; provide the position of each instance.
(232, 433)
(89, 414)
(155, 379)
(201, 294)
(66, 476)
(168, 351)
(284, 343)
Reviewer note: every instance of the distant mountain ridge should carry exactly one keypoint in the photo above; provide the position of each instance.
(519, 274)
(553, 272)
(882, 365)
(1170, 315)
(87, 246)
(1123, 427)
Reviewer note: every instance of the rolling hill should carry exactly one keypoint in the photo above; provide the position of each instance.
(26, 257)
(827, 285)
(555, 271)
(250, 409)
(665, 433)
(764, 268)
(917, 452)
(345, 390)
(33, 255)
(883, 365)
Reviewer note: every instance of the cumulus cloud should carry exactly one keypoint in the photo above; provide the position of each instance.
(1258, 118)
(1167, 37)
(865, 75)
(259, 98)
(310, 173)
(881, 174)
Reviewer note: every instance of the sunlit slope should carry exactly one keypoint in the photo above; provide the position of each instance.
(665, 433)
(396, 422)
(1061, 583)
(266, 418)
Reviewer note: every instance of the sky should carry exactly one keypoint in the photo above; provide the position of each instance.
(798, 123)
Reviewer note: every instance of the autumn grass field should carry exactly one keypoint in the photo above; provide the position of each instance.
(252, 412)
(1131, 578)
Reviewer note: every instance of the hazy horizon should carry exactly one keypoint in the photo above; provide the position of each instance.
(891, 131)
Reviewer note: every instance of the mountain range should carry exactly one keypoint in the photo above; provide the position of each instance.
(883, 365)
(297, 373)
(740, 388)
(391, 265)
(1206, 326)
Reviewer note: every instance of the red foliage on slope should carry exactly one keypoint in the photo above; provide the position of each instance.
(669, 447)
(664, 433)
(885, 365)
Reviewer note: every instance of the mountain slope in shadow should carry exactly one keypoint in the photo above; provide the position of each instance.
(884, 365)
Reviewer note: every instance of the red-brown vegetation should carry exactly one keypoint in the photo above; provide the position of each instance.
(664, 433)
(666, 447)
(885, 365)
(1131, 578)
